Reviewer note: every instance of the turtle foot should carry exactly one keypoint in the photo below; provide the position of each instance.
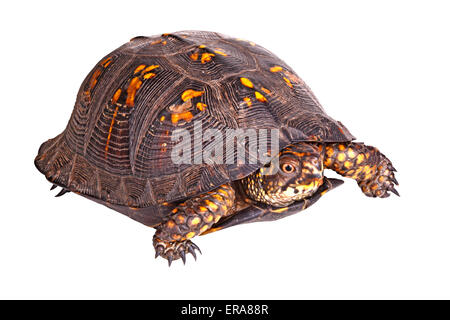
(174, 250)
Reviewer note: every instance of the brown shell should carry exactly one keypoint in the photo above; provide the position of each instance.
(117, 145)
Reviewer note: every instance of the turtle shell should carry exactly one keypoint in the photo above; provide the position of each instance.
(116, 148)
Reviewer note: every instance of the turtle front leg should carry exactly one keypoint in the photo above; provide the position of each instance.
(189, 219)
(367, 165)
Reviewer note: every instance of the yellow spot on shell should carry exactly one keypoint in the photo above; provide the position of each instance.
(260, 97)
(276, 69)
(142, 66)
(162, 118)
(189, 94)
(202, 46)
(288, 82)
(248, 101)
(206, 57)
(246, 82)
(201, 106)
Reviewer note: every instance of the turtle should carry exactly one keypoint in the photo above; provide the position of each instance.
(118, 147)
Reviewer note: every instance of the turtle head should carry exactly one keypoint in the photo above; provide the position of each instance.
(295, 174)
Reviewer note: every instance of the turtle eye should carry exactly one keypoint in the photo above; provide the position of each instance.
(287, 168)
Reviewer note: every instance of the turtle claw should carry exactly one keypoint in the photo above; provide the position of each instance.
(62, 192)
(183, 257)
(394, 191)
(53, 187)
(174, 250)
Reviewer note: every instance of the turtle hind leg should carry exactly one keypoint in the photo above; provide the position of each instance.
(372, 170)
(189, 219)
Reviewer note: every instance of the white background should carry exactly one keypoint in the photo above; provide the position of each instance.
(382, 68)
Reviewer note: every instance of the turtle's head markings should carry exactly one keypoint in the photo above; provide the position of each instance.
(297, 174)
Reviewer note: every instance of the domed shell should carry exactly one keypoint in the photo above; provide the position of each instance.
(116, 148)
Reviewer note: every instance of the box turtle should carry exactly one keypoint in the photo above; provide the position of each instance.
(118, 146)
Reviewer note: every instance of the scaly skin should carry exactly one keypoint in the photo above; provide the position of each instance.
(189, 219)
(276, 195)
(365, 164)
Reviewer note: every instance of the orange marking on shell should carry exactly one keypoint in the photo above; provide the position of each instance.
(218, 51)
(156, 42)
(150, 68)
(105, 63)
(116, 96)
(186, 116)
(266, 90)
(162, 118)
(149, 75)
(246, 82)
(276, 69)
(194, 56)
(260, 97)
(201, 106)
(202, 46)
(164, 42)
(248, 101)
(110, 130)
(206, 57)
(288, 82)
(134, 86)
(93, 80)
(189, 94)
(139, 68)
